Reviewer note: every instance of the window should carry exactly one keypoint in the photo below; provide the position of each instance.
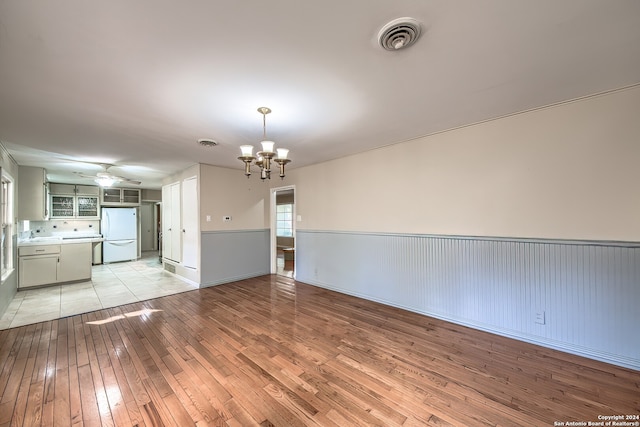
(6, 216)
(284, 220)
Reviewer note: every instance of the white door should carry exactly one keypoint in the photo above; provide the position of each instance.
(166, 221)
(171, 230)
(190, 222)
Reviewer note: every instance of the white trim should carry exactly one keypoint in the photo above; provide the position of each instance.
(272, 227)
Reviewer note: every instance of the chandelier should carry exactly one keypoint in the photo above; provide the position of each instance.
(263, 158)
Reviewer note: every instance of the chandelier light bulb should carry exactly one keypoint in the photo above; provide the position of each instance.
(267, 146)
(282, 153)
(247, 150)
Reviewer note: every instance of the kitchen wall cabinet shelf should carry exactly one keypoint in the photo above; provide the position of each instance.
(74, 201)
(62, 206)
(120, 197)
(76, 190)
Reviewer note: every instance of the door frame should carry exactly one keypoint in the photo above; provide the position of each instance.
(272, 222)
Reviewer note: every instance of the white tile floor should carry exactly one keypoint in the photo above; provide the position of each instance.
(110, 285)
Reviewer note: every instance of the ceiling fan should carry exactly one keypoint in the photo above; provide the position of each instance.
(106, 179)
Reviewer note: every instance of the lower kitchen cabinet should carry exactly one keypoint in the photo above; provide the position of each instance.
(75, 262)
(38, 270)
(48, 264)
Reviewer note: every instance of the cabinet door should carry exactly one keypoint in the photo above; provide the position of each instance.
(87, 206)
(38, 270)
(110, 196)
(130, 196)
(62, 206)
(75, 262)
(55, 188)
(32, 194)
(87, 190)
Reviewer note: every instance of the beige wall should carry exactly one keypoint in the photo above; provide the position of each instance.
(151, 195)
(568, 171)
(227, 192)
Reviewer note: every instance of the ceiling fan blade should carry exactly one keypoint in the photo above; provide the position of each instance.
(83, 175)
(132, 181)
(106, 175)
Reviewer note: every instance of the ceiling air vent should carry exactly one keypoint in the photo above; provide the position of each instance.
(205, 142)
(399, 34)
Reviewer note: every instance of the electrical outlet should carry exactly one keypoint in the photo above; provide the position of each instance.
(540, 317)
(208, 218)
(226, 218)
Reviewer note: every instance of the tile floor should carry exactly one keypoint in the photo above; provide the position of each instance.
(284, 268)
(110, 285)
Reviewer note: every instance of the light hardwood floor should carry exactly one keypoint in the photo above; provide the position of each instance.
(273, 352)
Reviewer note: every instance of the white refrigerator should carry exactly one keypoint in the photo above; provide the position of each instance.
(119, 228)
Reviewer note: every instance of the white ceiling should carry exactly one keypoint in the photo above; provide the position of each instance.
(137, 83)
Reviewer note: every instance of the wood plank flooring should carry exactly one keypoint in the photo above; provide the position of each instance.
(273, 352)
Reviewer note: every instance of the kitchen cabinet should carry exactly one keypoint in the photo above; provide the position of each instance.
(74, 201)
(63, 206)
(38, 265)
(57, 188)
(75, 262)
(87, 207)
(48, 264)
(74, 190)
(32, 194)
(120, 197)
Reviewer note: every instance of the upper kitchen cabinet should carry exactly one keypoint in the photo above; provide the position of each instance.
(120, 197)
(74, 190)
(32, 194)
(74, 201)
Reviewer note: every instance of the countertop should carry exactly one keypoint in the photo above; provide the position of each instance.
(60, 240)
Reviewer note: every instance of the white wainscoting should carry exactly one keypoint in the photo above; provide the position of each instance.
(589, 291)
(234, 255)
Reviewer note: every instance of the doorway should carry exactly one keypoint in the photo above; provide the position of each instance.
(148, 227)
(283, 231)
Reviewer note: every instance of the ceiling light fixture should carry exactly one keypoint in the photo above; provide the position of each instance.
(105, 181)
(267, 154)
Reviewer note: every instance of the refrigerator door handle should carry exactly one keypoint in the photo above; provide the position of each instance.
(105, 232)
(120, 242)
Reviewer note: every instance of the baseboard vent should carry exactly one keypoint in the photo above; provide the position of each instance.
(170, 267)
